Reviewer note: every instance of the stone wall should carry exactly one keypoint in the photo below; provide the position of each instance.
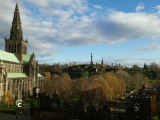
(12, 67)
(19, 87)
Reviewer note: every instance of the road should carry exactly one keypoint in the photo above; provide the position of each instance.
(5, 116)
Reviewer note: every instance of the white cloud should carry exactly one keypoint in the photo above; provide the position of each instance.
(153, 46)
(1, 43)
(98, 7)
(127, 61)
(73, 23)
(121, 26)
(41, 48)
(140, 7)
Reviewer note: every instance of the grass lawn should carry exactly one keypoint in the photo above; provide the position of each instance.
(33, 101)
(11, 109)
(155, 118)
(72, 99)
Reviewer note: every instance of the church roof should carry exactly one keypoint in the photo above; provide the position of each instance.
(26, 59)
(16, 75)
(6, 56)
(19, 75)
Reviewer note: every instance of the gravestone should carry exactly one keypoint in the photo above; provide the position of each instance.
(55, 101)
(45, 102)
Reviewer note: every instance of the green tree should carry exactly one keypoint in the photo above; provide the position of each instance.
(145, 67)
(85, 74)
(135, 66)
(155, 70)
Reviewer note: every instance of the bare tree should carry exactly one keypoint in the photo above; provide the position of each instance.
(61, 83)
(132, 81)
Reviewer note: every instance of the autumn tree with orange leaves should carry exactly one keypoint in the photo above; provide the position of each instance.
(47, 75)
(99, 88)
(8, 98)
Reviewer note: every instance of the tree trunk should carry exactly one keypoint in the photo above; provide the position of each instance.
(85, 107)
(97, 107)
(8, 105)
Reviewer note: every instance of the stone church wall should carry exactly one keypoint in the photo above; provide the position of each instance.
(12, 67)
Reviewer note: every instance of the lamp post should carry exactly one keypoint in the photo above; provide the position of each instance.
(37, 95)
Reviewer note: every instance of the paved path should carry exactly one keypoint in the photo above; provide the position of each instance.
(4, 116)
(26, 109)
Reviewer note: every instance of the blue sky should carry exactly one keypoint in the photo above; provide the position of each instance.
(120, 31)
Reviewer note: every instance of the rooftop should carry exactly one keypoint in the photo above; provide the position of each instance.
(26, 58)
(6, 56)
(16, 75)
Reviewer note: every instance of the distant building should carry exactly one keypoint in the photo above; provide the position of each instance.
(102, 62)
(18, 70)
(140, 105)
(157, 89)
(146, 102)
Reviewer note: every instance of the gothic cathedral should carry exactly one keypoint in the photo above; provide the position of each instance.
(18, 70)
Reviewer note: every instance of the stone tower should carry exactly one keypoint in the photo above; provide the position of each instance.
(91, 59)
(15, 44)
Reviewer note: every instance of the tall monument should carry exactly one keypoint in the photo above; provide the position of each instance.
(91, 59)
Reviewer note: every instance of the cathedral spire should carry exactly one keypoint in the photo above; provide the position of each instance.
(15, 44)
(33, 54)
(16, 30)
(102, 62)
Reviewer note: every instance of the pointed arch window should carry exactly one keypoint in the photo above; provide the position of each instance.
(15, 48)
(18, 48)
(12, 48)
(9, 49)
